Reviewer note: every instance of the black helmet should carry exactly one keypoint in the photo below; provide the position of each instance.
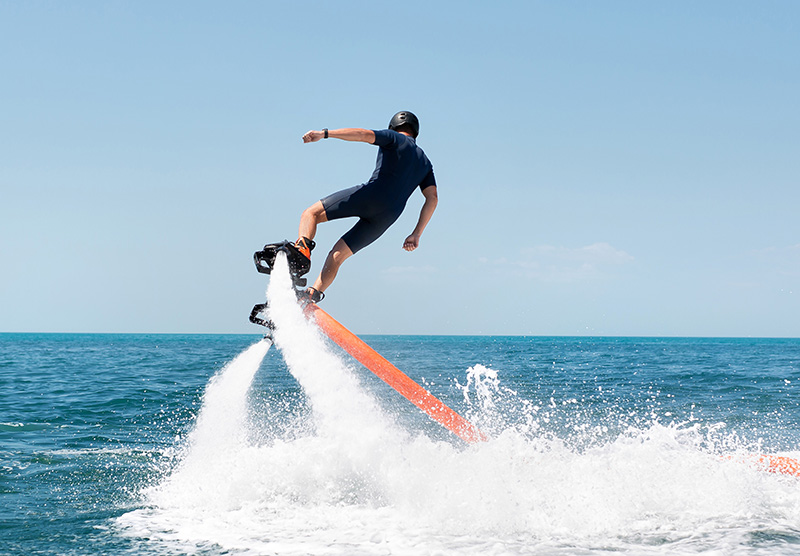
(405, 117)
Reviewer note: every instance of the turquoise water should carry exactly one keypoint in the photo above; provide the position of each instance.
(598, 444)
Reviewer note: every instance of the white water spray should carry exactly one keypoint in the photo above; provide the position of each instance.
(355, 483)
(220, 424)
(343, 411)
(218, 437)
(352, 440)
(222, 467)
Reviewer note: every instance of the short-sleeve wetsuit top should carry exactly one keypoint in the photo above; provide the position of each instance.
(401, 167)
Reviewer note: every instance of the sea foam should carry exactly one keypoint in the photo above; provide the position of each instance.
(354, 482)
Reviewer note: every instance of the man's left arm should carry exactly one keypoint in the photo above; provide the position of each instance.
(346, 134)
(431, 200)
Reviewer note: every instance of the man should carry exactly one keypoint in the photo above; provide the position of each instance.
(401, 167)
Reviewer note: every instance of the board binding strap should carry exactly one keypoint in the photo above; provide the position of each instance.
(299, 264)
(265, 263)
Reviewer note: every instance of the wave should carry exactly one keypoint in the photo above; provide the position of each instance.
(346, 478)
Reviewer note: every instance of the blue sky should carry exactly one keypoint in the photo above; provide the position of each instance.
(604, 168)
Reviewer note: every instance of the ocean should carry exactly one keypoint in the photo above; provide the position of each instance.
(225, 444)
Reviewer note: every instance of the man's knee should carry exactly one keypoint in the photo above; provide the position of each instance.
(315, 212)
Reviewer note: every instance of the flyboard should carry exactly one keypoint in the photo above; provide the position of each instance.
(358, 349)
(394, 377)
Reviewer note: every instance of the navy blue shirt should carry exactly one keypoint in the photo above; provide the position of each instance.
(400, 168)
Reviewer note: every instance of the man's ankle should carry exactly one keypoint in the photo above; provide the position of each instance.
(305, 246)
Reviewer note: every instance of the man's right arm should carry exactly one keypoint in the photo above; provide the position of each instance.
(346, 134)
(431, 200)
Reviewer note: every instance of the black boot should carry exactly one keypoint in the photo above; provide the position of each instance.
(310, 295)
(304, 246)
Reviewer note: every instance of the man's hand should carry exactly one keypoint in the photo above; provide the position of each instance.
(313, 136)
(411, 243)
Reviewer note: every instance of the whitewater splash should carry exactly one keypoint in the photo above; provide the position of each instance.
(352, 481)
(343, 412)
(214, 446)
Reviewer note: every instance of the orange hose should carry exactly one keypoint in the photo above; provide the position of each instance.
(773, 464)
(394, 377)
(437, 410)
(778, 464)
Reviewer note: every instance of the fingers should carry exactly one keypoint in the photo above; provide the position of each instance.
(312, 136)
(411, 243)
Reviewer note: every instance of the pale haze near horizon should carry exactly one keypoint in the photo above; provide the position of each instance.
(614, 168)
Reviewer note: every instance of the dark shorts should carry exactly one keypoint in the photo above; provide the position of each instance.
(374, 217)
